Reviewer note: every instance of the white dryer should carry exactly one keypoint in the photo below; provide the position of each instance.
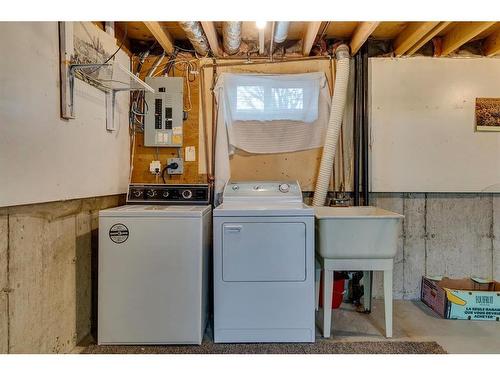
(263, 264)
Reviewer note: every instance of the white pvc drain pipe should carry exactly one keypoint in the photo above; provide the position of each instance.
(334, 124)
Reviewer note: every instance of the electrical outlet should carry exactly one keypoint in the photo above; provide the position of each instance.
(155, 167)
(180, 166)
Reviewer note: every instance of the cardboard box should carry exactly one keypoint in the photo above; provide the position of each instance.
(469, 299)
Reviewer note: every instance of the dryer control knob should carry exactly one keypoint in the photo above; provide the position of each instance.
(187, 194)
(284, 188)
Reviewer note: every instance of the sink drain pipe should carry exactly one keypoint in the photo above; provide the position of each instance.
(332, 136)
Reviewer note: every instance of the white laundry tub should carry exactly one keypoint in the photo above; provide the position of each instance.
(361, 232)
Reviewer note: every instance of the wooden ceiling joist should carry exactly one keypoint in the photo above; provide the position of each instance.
(461, 34)
(211, 34)
(161, 35)
(361, 34)
(492, 44)
(427, 37)
(411, 35)
(310, 34)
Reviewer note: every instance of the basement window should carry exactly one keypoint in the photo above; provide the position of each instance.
(259, 97)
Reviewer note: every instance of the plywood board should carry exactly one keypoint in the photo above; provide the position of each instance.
(302, 166)
(423, 136)
(145, 155)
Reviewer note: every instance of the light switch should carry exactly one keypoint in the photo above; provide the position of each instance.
(190, 153)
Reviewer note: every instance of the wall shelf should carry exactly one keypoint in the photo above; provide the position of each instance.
(109, 78)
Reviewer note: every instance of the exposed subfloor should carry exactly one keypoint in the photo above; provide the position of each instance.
(413, 321)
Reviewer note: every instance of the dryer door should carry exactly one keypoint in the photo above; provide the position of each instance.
(264, 251)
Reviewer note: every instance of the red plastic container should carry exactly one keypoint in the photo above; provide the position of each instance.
(338, 290)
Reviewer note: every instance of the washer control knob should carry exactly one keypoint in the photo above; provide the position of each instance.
(235, 187)
(284, 188)
(151, 193)
(187, 194)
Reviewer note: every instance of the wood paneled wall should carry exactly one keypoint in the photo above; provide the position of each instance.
(144, 155)
(302, 166)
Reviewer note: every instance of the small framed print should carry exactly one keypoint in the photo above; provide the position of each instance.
(488, 114)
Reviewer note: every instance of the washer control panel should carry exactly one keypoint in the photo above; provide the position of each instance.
(168, 194)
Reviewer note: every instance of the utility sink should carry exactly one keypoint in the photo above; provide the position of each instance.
(361, 232)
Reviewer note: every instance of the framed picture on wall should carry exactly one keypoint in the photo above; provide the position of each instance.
(488, 114)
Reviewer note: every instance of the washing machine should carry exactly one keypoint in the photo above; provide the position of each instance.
(263, 264)
(154, 263)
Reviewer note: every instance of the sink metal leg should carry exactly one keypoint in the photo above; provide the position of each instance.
(327, 301)
(388, 302)
(367, 290)
(317, 278)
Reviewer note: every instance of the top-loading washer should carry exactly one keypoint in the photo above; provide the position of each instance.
(154, 263)
(263, 264)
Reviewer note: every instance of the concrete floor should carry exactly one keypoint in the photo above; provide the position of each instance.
(413, 321)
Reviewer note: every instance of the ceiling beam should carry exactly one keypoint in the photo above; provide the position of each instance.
(491, 45)
(427, 37)
(161, 35)
(461, 34)
(361, 34)
(211, 34)
(310, 34)
(414, 32)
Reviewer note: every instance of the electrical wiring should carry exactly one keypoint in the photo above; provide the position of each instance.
(114, 53)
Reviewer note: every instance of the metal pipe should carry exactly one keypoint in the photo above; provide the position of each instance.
(196, 35)
(364, 126)
(271, 43)
(356, 127)
(262, 34)
(231, 36)
(281, 31)
(267, 61)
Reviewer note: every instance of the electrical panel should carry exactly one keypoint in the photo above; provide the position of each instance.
(163, 123)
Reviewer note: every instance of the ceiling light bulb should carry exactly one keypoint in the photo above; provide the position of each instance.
(261, 24)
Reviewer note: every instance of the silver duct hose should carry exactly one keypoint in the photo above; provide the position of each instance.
(231, 36)
(196, 36)
(334, 124)
(281, 31)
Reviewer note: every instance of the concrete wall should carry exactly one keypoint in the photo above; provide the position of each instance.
(48, 256)
(452, 234)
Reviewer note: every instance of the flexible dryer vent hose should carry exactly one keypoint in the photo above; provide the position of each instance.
(334, 124)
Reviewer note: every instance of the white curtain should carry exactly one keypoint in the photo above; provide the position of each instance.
(262, 113)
